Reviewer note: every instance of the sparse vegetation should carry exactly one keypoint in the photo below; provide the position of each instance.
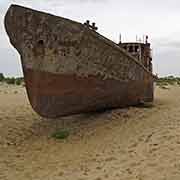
(163, 82)
(61, 134)
(11, 80)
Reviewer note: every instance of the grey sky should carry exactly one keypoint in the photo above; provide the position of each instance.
(157, 18)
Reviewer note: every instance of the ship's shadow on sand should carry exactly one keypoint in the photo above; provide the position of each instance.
(83, 124)
(74, 123)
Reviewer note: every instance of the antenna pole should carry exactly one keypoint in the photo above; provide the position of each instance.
(146, 39)
(120, 39)
(143, 39)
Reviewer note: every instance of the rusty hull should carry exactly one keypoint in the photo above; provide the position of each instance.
(53, 95)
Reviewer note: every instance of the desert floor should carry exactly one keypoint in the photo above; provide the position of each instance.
(122, 144)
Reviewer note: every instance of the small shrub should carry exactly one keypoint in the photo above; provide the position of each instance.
(19, 81)
(61, 134)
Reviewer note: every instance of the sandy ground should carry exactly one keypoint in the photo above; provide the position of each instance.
(123, 144)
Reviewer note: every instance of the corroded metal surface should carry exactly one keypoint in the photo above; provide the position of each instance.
(69, 68)
(53, 95)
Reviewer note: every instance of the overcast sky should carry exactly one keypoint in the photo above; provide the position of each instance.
(159, 19)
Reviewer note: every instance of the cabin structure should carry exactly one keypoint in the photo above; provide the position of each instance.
(141, 51)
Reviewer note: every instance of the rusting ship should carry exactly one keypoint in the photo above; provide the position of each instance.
(69, 68)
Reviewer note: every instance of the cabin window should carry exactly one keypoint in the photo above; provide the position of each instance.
(130, 49)
(136, 48)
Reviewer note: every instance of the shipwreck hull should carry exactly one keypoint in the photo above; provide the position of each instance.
(69, 68)
(53, 95)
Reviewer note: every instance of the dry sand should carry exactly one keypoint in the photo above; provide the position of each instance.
(122, 144)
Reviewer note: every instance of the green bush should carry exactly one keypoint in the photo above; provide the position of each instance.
(19, 81)
(61, 134)
(1, 77)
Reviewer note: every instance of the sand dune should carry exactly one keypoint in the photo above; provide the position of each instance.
(133, 143)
